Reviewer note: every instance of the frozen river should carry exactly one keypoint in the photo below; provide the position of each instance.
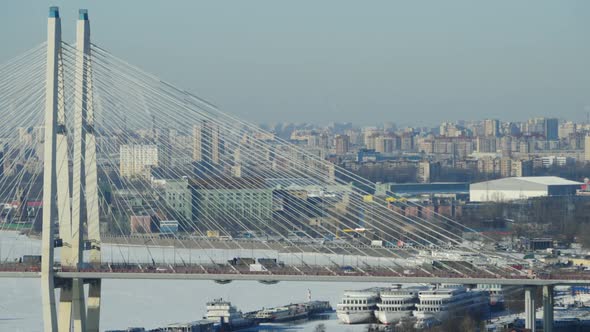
(150, 303)
(155, 303)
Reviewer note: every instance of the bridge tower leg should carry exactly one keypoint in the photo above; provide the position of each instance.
(91, 178)
(548, 302)
(79, 215)
(63, 204)
(529, 308)
(85, 181)
(50, 173)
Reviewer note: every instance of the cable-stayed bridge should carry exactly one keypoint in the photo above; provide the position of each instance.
(110, 172)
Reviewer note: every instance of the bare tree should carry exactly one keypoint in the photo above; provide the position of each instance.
(320, 328)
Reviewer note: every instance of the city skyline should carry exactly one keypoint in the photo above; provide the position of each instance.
(405, 63)
(112, 174)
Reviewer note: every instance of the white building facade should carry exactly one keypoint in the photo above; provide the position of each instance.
(516, 188)
(137, 159)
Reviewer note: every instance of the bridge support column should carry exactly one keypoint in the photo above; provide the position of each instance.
(65, 306)
(93, 316)
(50, 323)
(548, 303)
(529, 308)
(78, 305)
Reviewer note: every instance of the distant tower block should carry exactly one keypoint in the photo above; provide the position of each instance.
(206, 143)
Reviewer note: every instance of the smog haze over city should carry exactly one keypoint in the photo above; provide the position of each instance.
(283, 166)
(411, 62)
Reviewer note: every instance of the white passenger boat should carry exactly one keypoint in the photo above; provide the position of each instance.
(395, 304)
(358, 306)
(440, 303)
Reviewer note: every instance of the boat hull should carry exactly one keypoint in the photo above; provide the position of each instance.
(355, 317)
(391, 317)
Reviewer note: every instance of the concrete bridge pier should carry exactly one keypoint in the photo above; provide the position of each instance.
(548, 303)
(529, 308)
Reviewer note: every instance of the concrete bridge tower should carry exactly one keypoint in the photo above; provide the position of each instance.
(72, 218)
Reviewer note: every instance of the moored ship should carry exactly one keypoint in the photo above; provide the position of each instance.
(227, 315)
(497, 294)
(358, 306)
(439, 303)
(396, 304)
(282, 314)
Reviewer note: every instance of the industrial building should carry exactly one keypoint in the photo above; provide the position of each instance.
(414, 189)
(226, 200)
(515, 188)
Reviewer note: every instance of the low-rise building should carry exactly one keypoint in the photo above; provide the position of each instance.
(515, 188)
(221, 200)
(178, 197)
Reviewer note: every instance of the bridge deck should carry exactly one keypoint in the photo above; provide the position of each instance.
(291, 273)
(314, 278)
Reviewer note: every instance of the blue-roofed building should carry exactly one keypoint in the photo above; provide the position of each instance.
(416, 189)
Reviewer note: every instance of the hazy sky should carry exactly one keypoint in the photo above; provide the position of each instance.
(417, 62)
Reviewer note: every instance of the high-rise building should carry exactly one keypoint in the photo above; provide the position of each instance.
(506, 167)
(449, 129)
(509, 129)
(491, 127)
(535, 126)
(162, 140)
(370, 141)
(369, 135)
(197, 139)
(384, 144)
(137, 159)
(324, 141)
(206, 143)
(486, 144)
(566, 129)
(587, 148)
(551, 129)
(313, 140)
(522, 168)
(342, 143)
(407, 142)
(526, 146)
(428, 171)
(489, 165)
(506, 146)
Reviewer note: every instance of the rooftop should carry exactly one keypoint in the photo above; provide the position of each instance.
(547, 180)
(222, 182)
(524, 182)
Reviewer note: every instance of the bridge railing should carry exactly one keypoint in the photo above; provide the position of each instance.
(283, 270)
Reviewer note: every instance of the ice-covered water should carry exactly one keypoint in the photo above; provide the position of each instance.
(151, 303)
(154, 303)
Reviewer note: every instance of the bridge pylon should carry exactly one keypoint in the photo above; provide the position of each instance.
(49, 170)
(73, 219)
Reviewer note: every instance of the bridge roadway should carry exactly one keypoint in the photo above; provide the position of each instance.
(315, 274)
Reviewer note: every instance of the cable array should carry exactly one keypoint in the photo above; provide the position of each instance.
(168, 158)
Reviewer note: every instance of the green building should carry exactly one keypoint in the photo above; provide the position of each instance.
(227, 201)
